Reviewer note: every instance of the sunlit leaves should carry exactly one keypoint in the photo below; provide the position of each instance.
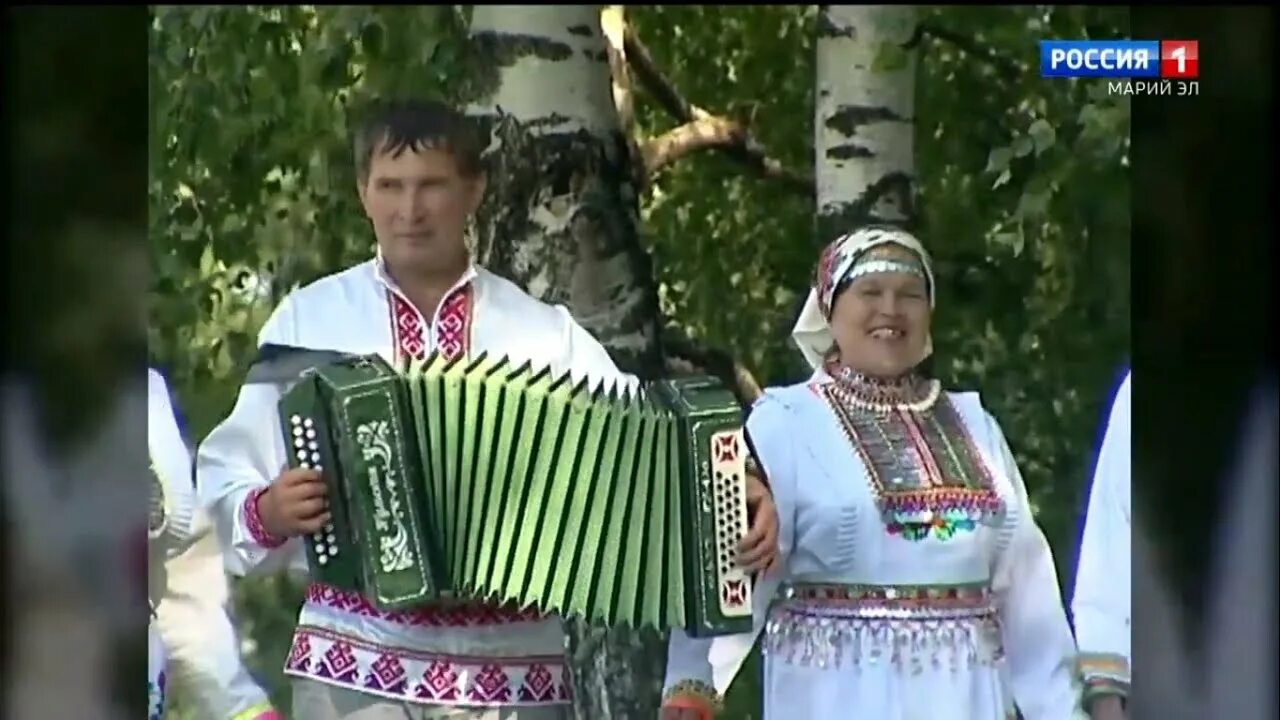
(1042, 135)
(998, 160)
(707, 218)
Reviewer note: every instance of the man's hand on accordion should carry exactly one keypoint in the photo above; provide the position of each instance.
(295, 504)
(758, 550)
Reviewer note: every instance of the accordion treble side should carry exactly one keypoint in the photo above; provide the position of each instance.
(476, 478)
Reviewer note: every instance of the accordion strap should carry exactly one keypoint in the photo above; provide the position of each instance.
(751, 461)
(284, 364)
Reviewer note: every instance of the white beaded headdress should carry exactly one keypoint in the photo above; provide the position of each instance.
(845, 258)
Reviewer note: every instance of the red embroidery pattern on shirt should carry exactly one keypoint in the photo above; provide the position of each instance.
(427, 677)
(387, 675)
(338, 663)
(452, 328)
(538, 685)
(454, 323)
(253, 521)
(300, 654)
(439, 682)
(459, 615)
(491, 686)
(407, 328)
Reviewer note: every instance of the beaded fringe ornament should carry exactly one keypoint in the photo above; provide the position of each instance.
(913, 632)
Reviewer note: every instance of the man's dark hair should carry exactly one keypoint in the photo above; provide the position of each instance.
(393, 126)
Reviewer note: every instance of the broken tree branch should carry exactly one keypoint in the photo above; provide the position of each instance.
(706, 132)
(744, 148)
(612, 22)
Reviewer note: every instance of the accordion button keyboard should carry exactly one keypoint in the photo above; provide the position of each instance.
(730, 523)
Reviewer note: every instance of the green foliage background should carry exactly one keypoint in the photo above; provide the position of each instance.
(1023, 187)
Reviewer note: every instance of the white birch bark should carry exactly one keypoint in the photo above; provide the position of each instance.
(561, 215)
(865, 116)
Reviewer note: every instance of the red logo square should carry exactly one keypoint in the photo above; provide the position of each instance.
(1180, 59)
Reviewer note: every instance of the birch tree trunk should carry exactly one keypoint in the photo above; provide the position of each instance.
(865, 117)
(560, 219)
(560, 216)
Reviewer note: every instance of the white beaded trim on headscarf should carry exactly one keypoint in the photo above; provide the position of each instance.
(812, 333)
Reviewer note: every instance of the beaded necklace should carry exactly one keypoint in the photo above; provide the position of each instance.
(927, 476)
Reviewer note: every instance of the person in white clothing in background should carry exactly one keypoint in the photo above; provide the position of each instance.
(190, 595)
(1101, 603)
(169, 522)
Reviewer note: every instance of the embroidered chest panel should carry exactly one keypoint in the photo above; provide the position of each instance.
(452, 329)
(925, 472)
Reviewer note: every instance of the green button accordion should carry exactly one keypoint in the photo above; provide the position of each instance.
(473, 479)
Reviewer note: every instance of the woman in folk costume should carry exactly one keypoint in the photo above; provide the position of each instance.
(171, 531)
(191, 633)
(913, 581)
(173, 507)
(1101, 601)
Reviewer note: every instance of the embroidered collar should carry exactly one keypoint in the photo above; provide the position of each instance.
(910, 392)
(380, 272)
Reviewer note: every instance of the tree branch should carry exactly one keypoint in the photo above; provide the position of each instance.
(689, 355)
(1009, 68)
(612, 24)
(707, 132)
(744, 147)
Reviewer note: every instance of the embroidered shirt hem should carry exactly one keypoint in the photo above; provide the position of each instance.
(426, 678)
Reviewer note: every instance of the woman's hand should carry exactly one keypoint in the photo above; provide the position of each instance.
(758, 550)
(1107, 707)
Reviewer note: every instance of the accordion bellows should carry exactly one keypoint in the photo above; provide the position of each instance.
(473, 479)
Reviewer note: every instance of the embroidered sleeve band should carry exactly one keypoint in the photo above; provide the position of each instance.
(253, 520)
(693, 695)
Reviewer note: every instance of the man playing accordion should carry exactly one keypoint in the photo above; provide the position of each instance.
(419, 180)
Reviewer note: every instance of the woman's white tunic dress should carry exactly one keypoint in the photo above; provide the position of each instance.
(899, 598)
